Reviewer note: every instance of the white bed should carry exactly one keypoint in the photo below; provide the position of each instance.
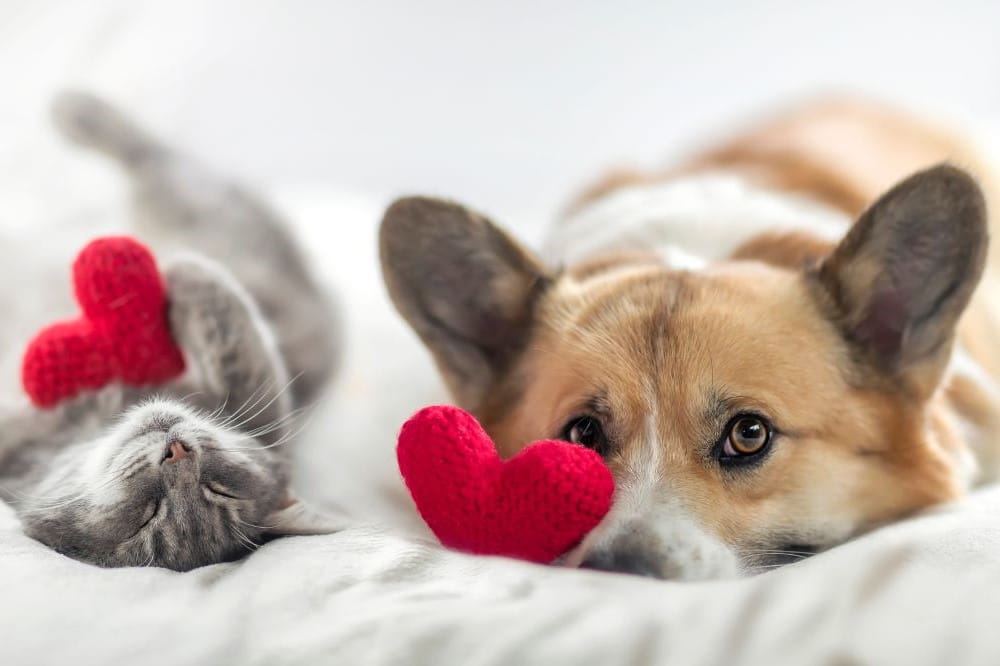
(924, 592)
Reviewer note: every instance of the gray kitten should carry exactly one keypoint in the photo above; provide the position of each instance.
(195, 471)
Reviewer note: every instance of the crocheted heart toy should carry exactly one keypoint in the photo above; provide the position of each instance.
(123, 334)
(535, 506)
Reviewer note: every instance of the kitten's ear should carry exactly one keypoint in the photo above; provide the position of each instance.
(903, 275)
(466, 288)
(296, 517)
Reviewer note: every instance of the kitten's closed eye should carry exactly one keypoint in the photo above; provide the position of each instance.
(218, 490)
(152, 508)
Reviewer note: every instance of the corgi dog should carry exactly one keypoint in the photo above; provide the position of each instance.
(779, 344)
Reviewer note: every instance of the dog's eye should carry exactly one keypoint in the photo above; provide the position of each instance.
(586, 431)
(746, 436)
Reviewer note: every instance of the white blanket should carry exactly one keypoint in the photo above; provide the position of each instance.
(924, 592)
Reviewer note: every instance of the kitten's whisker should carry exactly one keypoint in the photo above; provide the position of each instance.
(247, 541)
(799, 554)
(259, 527)
(270, 402)
(218, 411)
(188, 396)
(281, 442)
(278, 422)
(267, 429)
(267, 386)
(242, 409)
(57, 500)
(292, 434)
(45, 505)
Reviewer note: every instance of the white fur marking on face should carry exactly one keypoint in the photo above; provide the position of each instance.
(643, 484)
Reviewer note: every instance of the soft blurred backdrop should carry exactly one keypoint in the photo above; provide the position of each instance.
(333, 108)
(505, 104)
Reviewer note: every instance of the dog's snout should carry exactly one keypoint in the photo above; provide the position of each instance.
(637, 562)
(676, 549)
(177, 450)
(633, 551)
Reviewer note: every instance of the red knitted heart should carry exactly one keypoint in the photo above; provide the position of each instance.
(123, 334)
(535, 506)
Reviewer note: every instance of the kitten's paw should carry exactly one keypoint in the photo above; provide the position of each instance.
(211, 314)
(205, 303)
(227, 342)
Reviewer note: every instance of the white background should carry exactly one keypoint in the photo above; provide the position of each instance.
(505, 105)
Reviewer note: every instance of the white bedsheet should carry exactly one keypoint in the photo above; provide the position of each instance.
(924, 592)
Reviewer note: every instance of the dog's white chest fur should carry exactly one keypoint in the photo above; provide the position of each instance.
(689, 221)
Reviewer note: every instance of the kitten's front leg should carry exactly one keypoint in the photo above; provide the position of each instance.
(178, 204)
(227, 344)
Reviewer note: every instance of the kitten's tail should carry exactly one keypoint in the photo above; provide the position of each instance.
(90, 121)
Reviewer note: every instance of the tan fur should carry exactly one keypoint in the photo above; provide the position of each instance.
(790, 249)
(850, 456)
(867, 147)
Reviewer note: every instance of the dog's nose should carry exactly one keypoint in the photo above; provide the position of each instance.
(633, 550)
(177, 450)
(623, 560)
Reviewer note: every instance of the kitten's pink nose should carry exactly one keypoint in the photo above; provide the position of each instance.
(176, 451)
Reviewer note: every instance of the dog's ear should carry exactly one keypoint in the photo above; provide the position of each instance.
(466, 287)
(901, 278)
